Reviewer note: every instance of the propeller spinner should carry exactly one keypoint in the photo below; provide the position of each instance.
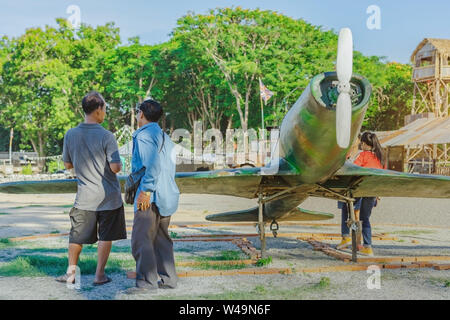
(344, 73)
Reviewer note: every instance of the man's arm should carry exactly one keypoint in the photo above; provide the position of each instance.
(66, 154)
(148, 152)
(115, 167)
(112, 153)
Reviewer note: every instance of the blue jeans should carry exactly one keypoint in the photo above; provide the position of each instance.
(365, 206)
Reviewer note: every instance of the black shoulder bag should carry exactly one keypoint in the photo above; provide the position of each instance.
(133, 182)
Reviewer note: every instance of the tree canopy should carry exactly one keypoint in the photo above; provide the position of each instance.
(208, 71)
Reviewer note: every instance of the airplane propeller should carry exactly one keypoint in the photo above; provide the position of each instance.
(344, 74)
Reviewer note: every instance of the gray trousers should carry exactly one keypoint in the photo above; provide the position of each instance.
(152, 248)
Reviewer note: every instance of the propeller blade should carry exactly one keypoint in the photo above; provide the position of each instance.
(344, 63)
(344, 69)
(343, 119)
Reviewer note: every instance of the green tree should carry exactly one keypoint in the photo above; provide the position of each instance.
(45, 74)
(129, 77)
(246, 45)
(208, 71)
(394, 98)
(34, 76)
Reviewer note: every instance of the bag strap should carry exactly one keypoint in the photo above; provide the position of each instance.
(164, 139)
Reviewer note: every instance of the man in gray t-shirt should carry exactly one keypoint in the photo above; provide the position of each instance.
(98, 213)
(91, 149)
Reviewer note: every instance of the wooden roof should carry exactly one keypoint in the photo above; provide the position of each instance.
(419, 132)
(442, 45)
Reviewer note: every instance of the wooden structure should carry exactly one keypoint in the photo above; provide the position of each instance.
(423, 144)
(431, 77)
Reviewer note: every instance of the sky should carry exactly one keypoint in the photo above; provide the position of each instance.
(391, 28)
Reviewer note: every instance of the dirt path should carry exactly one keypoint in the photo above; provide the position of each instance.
(28, 268)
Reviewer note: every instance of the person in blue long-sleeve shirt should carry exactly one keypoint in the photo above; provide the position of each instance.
(156, 200)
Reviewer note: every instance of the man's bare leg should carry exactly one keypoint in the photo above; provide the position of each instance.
(103, 250)
(74, 254)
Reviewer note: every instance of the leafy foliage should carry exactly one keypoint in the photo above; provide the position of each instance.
(209, 71)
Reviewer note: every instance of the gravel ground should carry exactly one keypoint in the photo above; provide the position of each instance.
(428, 223)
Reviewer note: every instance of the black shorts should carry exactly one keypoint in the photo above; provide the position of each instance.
(90, 226)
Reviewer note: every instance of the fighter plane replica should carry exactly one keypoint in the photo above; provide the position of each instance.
(315, 139)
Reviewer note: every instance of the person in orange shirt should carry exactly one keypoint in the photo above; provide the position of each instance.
(370, 157)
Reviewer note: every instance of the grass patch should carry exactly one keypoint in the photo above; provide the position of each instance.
(261, 292)
(42, 205)
(412, 232)
(6, 243)
(441, 282)
(222, 256)
(87, 249)
(184, 250)
(30, 206)
(174, 235)
(389, 275)
(264, 261)
(228, 255)
(225, 255)
(66, 206)
(225, 266)
(323, 283)
(114, 249)
(260, 289)
(4, 213)
(38, 265)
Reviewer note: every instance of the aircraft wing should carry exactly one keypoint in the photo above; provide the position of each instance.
(365, 182)
(242, 182)
(245, 182)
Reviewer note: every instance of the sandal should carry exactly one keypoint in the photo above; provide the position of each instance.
(108, 279)
(65, 277)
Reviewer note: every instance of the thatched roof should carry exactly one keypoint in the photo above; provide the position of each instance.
(442, 45)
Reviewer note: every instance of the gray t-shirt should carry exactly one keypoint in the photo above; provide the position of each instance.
(90, 148)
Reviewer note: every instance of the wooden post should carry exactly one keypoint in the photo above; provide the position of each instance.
(262, 107)
(262, 234)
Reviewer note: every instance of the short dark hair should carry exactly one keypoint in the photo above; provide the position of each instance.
(92, 101)
(152, 110)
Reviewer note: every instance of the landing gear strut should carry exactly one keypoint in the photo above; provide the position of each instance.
(274, 228)
(355, 227)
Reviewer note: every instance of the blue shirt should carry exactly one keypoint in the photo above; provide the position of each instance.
(159, 177)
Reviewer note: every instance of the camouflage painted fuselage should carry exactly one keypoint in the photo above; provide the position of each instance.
(308, 131)
(309, 152)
